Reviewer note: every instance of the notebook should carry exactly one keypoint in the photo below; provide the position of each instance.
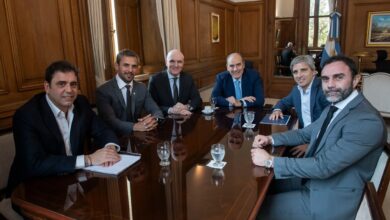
(280, 121)
(126, 161)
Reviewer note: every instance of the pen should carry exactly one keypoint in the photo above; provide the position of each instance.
(129, 153)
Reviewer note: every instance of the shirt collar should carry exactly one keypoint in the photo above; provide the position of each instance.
(56, 111)
(308, 88)
(122, 83)
(170, 76)
(341, 105)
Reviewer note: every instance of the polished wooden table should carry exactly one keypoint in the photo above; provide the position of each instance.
(187, 189)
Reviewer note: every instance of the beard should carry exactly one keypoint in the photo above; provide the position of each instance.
(338, 94)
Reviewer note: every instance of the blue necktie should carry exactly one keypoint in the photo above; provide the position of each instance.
(237, 89)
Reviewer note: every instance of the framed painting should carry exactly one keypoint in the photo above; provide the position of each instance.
(215, 28)
(378, 29)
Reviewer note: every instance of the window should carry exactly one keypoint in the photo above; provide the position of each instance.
(318, 23)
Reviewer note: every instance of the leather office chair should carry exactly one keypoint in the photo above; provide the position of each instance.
(7, 154)
(370, 208)
(375, 88)
(382, 65)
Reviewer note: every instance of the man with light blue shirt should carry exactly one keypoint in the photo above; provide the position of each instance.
(306, 97)
(173, 90)
(238, 86)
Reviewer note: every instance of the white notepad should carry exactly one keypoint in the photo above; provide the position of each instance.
(125, 162)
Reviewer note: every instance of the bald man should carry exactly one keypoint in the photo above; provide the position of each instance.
(173, 90)
(238, 86)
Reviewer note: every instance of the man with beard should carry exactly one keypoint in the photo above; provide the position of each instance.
(344, 146)
(122, 101)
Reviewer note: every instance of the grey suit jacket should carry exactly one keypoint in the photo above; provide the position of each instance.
(112, 108)
(344, 160)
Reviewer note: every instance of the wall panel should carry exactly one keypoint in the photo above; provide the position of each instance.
(356, 27)
(46, 31)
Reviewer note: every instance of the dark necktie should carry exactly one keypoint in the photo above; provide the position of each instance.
(175, 90)
(324, 126)
(129, 116)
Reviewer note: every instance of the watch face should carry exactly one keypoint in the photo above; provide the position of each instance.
(268, 163)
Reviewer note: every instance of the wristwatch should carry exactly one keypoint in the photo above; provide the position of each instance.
(269, 163)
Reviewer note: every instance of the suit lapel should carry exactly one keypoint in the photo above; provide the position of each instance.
(339, 118)
(165, 81)
(118, 92)
(75, 130)
(313, 94)
(51, 123)
(244, 80)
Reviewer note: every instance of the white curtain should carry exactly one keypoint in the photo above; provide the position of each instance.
(96, 24)
(168, 24)
(331, 5)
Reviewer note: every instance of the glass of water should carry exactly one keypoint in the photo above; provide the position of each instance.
(213, 102)
(163, 152)
(217, 153)
(249, 116)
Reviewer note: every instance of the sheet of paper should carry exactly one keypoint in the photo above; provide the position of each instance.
(282, 121)
(126, 161)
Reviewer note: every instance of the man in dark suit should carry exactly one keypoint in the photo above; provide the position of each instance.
(344, 146)
(122, 101)
(174, 90)
(306, 97)
(238, 86)
(52, 129)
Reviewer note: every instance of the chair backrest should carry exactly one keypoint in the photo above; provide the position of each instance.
(370, 209)
(375, 87)
(381, 175)
(7, 154)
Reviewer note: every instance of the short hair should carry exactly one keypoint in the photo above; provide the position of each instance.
(303, 59)
(235, 53)
(61, 66)
(126, 53)
(346, 60)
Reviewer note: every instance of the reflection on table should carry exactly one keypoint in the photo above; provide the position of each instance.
(186, 189)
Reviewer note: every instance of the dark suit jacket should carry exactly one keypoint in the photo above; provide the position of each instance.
(344, 160)
(251, 84)
(317, 101)
(40, 148)
(112, 107)
(160, 89)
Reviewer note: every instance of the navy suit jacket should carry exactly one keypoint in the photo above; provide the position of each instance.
(251, 85)
(160, 90)
(317, 101)
(39, 145)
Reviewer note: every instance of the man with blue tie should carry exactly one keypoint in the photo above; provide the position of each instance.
(238, 86)
(344, 146)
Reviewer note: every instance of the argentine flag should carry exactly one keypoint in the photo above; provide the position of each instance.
(332, 46)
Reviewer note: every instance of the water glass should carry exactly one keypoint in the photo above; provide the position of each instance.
(249, 116)
(217, 153)
(213, 102)
(163, 152)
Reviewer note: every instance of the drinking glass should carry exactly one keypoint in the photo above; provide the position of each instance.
(163, 152)
(218, 153)
(249, 116)
(249, 134)
(213, 102)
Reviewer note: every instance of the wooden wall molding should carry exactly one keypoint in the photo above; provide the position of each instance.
(46, 31)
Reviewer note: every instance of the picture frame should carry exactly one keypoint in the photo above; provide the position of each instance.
(378, 29)
(215, 37)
